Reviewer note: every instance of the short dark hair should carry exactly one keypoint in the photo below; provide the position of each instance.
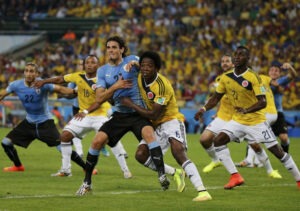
(36, 67)
(83, 60)
(245, 49)
(121, 43)
(152, 55)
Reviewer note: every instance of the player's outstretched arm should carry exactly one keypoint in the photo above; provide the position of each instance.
(64, 90)
(3, 94)
(54, 80)
(212, 102)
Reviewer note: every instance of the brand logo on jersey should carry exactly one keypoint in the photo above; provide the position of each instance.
(38, 91)
(245, 83)
(263, 89)
(161, 100)
(150, 95)
(94, 86)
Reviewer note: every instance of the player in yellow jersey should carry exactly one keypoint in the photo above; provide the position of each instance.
(162, 110)
(246, 92)
(224, 114)
(86, 86)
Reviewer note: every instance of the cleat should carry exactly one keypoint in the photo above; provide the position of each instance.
(179, 179)
(164, 182)
(105, 152)
(62, 173)
(244, 164)
(84, 189)
(211, 166)
(235, 180)
(275, 175)
(127, 175)
(14, 168)
(203, 196)
(298, 185)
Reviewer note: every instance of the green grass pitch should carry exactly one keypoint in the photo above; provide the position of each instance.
(35, 189)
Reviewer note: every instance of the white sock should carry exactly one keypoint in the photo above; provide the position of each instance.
(263, 157)
(116, 150)
(290, 165)
(168, 169)
(250, 155)
(121, 148)
(212, 153)
(66, 151)
(193, 174)
(78, 146)
(223, 154)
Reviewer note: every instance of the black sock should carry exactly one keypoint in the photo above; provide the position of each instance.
(12, 154)
(157, 157)
(77, 159)
(285, 147)
(91, 161)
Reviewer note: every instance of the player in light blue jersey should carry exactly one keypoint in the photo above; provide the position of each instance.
(38, 123)
(110, 78)
(278, 84)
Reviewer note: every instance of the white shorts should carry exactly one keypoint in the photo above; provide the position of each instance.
(171, 129)
(216, 125)
(260, 133)
(271, 118)
(88, 123)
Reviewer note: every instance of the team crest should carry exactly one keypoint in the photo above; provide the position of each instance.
(38, 91)
(94, 86)
(245, 83)
(150, 95)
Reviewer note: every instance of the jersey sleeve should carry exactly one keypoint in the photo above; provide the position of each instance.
(11, 87)
(70, 78)
(220, 88)
(258, 86)
(101, 78)
(283, 81)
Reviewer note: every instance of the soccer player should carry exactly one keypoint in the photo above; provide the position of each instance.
(86, 84)
(224, 114)
(38, 123)
(278, 83)
(124, 119)
(162, 109)
(274, 84)
(246, 92)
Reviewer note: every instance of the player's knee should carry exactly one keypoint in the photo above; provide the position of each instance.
(142, 154)
(6, 142)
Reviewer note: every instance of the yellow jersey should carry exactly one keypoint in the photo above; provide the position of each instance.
(161, 92)
(270, 108)
(241, 91)
(225, 110)
(86, 92)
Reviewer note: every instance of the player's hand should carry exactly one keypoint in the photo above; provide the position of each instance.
(37, 84)
(79, 116)
(199, 114)
(241, 110)
(126, 101)
(130, 64)
(123, 84)
(286, 66)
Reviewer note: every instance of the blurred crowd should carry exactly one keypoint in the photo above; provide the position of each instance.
(191, 36)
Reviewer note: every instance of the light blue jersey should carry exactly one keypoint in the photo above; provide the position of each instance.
(75, 100)
(108, 74)
(35, 101)
(282, 81)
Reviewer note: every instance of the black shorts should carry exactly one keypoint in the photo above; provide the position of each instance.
(75, 110)
(121, 123)
(280, 126)
(26, 132)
